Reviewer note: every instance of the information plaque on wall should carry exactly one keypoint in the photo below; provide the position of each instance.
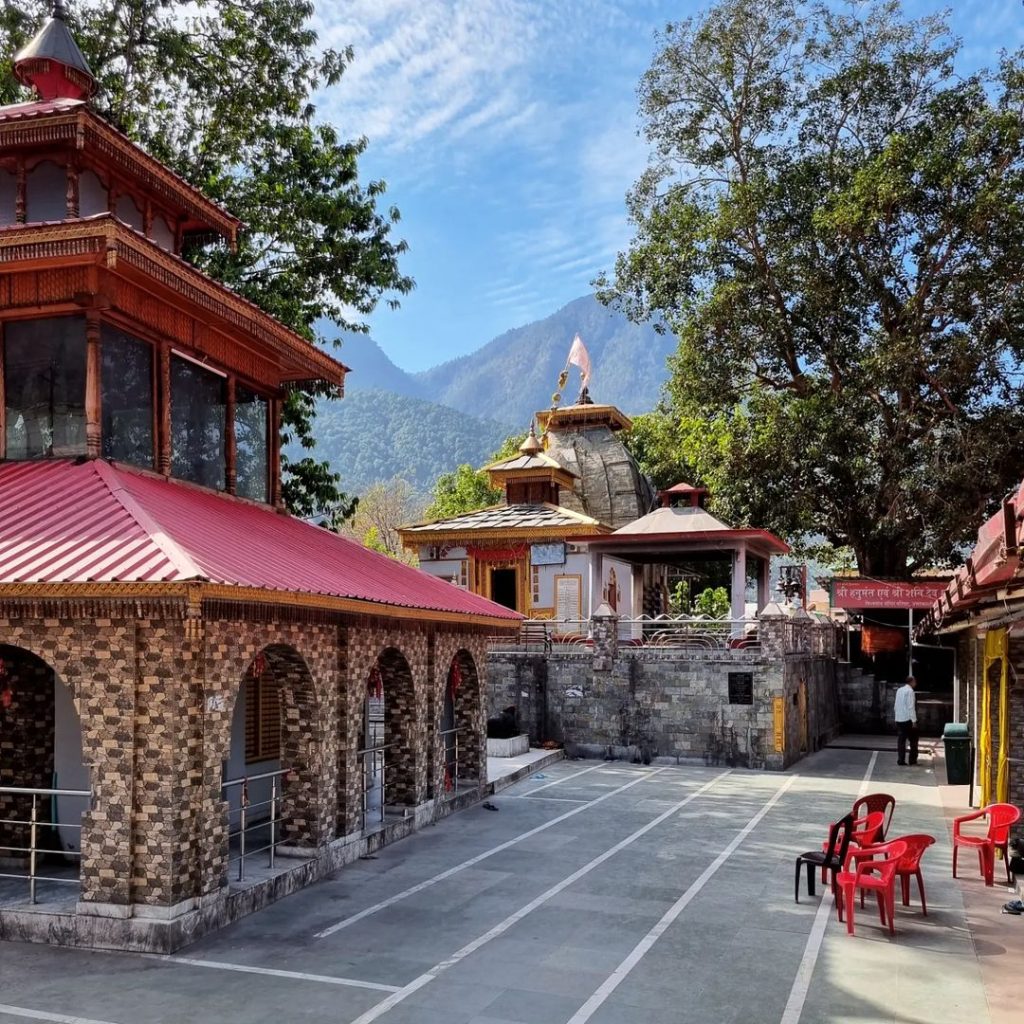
(567, 600)
(779, 723)
(547, 554)
(741, 687)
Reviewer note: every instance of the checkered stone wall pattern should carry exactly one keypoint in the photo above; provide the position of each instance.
(155, 686)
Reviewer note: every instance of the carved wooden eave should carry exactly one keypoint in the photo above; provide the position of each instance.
(71, 126)
(187, 599)
(412, 539)
(126, 270)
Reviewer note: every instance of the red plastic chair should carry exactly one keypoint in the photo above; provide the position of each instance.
(1000, 818)
(876, 802)
(910, 866)
(866, 832)
(876, 875)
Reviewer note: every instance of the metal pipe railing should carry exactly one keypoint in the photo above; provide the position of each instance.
(454, 763)
(375, 768)
(34, 825)
(247, 808)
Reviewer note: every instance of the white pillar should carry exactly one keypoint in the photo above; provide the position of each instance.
(596, 581)
(763, 581)
(636, 600)
(739, 582)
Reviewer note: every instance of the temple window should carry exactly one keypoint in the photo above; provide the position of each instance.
(262, 719)
(128, 212)
(198, 414)
(44, 387)
(8, 196)
(127, 398)
(162, 234)
(92, 195)
(251, 458)
(46, 193)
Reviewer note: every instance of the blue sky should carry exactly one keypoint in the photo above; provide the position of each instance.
(507, 133)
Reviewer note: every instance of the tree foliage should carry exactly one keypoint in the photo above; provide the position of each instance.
(220, 90)
(381, 510)
(466, 489)
(832, 223)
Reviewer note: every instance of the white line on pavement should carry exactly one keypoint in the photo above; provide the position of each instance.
(345, 922)
(566, 778)
(503, 926)
(802, 981)
(640, 950)
(324, 979)
(57, 1018)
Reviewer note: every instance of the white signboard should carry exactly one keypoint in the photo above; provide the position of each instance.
(567, 603)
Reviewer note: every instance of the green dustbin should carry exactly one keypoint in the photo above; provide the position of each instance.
(956, 741)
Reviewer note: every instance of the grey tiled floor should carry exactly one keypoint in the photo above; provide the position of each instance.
(731, 953)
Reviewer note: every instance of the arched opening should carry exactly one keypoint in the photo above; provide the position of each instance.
(402, 758)
(45, 786)
(270, 778)
(92, 195)
(464, 746)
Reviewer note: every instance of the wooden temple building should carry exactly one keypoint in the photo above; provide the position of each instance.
(187, 672)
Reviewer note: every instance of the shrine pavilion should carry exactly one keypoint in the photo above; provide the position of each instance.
(188, 674)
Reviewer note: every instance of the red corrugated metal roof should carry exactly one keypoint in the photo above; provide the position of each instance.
(62, 522)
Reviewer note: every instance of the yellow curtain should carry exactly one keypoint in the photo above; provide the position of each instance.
(995, 652)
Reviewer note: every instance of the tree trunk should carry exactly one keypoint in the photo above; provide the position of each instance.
(882, 558)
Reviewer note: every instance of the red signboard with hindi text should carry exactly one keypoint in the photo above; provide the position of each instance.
(886, 593)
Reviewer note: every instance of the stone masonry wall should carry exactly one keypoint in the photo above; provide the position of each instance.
(155, 684)
(657, 704)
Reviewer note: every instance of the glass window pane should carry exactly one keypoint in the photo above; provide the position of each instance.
(44, 385)
(250, 445)
(127, 398)
(46, 193)
(198, 409)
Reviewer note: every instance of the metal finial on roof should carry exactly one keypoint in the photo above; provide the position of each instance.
(531, 446)
(52, 64)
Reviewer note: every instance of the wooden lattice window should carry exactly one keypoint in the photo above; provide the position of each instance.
(262, 720)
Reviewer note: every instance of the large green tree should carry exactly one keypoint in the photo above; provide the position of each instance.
(221, 90)
(832, 221)
(466, 489)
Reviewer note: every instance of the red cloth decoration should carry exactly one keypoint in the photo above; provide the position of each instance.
(454, 678)
(259, 665)
(375, 683)
(882, 639)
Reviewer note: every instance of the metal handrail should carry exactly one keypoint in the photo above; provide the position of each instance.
(245, 808)
(33, 850)
(455, 761)
(375, 772)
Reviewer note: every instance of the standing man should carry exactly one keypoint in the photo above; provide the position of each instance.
(906, 721)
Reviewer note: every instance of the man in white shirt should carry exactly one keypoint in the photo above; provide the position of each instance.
(906, 722)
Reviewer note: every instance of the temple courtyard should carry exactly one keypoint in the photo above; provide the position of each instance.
(603, 892)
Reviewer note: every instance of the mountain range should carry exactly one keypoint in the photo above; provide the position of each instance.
(419, 425)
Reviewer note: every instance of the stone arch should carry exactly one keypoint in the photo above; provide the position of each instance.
(41, 748)
(465, 690)
(403, 732)
(299, 748)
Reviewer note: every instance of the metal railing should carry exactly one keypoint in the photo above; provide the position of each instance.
(35, 827)
(451, 767)
(663, 631)
(247, 810)
(375, 768)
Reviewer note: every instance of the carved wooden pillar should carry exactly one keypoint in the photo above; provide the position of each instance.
(147, 219)
(3, 399)
(275, 453)
(93, 393)
(20, 201)
(71, 197)
(163, 458)
(230, 448)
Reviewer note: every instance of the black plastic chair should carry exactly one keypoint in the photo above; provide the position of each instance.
(832, 859)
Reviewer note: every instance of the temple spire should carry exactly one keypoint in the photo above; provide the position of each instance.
(52, 64)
